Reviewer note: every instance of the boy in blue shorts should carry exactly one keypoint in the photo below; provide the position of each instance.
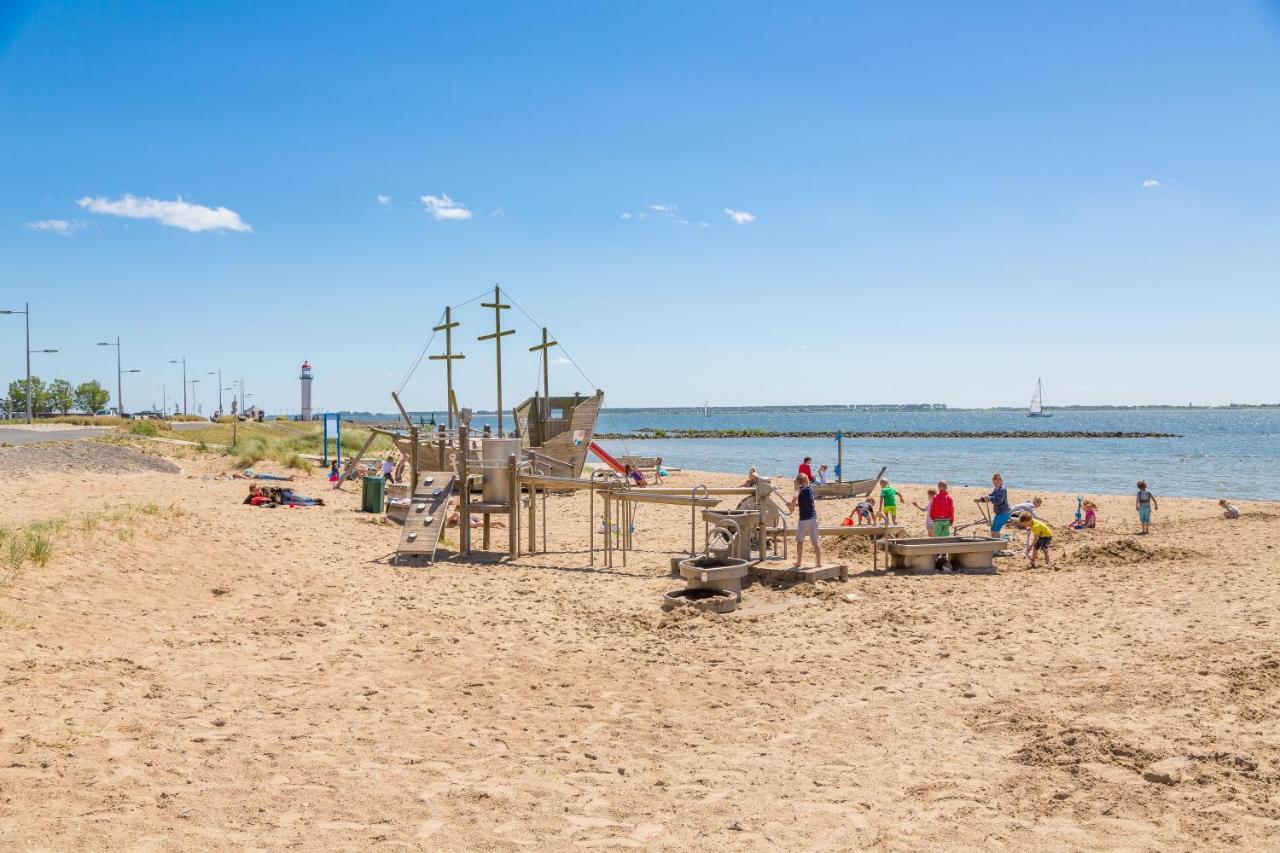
(999, 500)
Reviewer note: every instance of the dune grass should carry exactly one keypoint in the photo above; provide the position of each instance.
(34, 544)
(279, 441)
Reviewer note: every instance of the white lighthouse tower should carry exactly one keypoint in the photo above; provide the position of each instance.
(305, 378)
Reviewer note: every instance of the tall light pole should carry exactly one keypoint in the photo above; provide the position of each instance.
(183, 362)
(119, 375)
(193, 394)
(219, 374)
(26, 312)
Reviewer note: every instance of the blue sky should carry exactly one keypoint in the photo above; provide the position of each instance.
(942, 201)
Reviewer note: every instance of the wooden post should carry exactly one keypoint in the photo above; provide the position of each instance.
(496, 337)
(448, 358)
(533, 520)
(544, 412)
(413, 463)
(513, 508)
(464, 500)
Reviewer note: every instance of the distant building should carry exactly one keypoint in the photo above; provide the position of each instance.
(305, 378)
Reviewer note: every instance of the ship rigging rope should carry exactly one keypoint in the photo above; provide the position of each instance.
(427, 346)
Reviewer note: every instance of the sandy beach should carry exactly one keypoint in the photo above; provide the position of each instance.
(190, 673)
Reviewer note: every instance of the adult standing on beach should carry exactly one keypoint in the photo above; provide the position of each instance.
(999, 500)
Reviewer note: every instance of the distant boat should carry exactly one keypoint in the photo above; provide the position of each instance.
(706, 410)
(1036, 409)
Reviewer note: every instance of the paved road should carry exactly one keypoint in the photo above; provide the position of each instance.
(10, 435)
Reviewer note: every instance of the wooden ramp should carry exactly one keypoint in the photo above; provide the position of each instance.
(425, 516)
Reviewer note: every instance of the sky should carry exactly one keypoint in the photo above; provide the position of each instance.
(743, 203)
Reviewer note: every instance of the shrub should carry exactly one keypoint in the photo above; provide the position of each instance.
(297, 462)
(147, 428)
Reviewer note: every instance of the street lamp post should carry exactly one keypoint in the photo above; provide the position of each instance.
(119, 375)
(26, 312)
(193, 394)
(218, 372)
(183, 362)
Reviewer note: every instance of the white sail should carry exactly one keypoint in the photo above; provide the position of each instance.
(1036, 408)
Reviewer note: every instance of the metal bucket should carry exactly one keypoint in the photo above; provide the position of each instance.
(493, 467)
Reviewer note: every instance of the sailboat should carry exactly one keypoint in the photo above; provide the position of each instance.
(1036, 409)
(706, 409)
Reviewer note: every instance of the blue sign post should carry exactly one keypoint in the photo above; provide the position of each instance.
(336, 419)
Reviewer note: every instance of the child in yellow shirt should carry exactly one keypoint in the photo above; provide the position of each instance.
(1042, 533)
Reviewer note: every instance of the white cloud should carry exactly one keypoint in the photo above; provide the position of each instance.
(702, 223)
(741, 217)
(176, 214)
(626, 215)
(384, 200)
(1151, 184)
(665, 209)
(442, 207)
(498, 213)
(61, 227)
(560, 361)
(682, 222)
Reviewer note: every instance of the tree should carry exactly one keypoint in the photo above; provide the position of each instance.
(92, 397)
(61, 396)
(17, 398)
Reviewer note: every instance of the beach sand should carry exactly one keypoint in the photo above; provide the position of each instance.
(189, 673)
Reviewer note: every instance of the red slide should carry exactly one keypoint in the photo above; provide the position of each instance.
(606, 458)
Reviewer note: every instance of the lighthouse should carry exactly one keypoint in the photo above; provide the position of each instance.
(305, 378)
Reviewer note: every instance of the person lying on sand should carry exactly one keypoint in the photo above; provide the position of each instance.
(257, 497)
(250, 474)
(476, 520)
(288, 497)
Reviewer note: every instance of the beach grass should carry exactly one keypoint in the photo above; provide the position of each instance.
(284, 442)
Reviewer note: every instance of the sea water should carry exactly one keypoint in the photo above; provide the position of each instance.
(1232, 453)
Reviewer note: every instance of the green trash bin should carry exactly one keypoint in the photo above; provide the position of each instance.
(375, 492)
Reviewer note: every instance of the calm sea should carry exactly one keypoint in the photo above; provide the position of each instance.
(1223, 452)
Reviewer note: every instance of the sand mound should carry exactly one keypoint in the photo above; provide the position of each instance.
(1120, 552)
(79, 456)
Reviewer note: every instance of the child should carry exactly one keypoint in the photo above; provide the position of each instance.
(942, 511)
(658, 471)
(999, 500)
(634, 475)
(1228, 510)
(866, 512)
(1032, 506)
(1090, 519)
(1145, 502)
(807, 526)
(888, 502)
(333, 473)
(1043, 534)
(822, 475)
(928, 519)
(387, 468)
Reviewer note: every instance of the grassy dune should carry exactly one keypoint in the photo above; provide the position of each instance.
(283, 442)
